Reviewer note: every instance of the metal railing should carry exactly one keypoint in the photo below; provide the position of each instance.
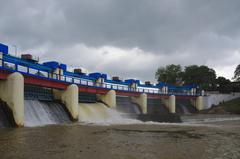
(28, 70)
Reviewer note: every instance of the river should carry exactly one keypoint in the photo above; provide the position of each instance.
(208, 140)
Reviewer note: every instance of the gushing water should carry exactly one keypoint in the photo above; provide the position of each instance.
(125, 105)
(185, 109)
(43, 113)
(208, 118)
(98, 113)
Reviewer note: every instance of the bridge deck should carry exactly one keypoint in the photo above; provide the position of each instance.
(56, 84)
(37, 77)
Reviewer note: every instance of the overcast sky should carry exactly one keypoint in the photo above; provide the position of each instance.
(129, 38)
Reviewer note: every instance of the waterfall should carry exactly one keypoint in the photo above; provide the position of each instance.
(99, 113)
(185, 109)
(125, 105)
(44, 112)
(156, 106)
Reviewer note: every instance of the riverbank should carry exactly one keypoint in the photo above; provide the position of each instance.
(229, 107)
(232, 106)
(167, 141)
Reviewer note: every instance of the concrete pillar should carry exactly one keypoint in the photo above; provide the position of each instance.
(99, 82)
(163, 90)
(1, 57)
(141, 101)
(133, 86)
(12, 92)
(170, 103)
(166, 90)
(109, 99)
(192, 91)
(69, 97)
(57, 74)
(199, 103)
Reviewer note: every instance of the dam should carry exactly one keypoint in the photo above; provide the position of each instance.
(35, 94)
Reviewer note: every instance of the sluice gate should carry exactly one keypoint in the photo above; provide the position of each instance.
(37, 93)
(157, 107)
(40, 108)
(184, 107)
(6, 116)
(84, 97)
(125, 105)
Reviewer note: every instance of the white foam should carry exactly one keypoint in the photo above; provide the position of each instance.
(210, 120)
(114, 117)
(99, 114)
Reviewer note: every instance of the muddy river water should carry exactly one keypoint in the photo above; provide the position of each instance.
(215, 140)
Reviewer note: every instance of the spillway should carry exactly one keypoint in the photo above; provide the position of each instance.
(99, 113)
(155, 106)
(44, 112)
(92, 112)
(6, 119)
(185, 107)
(125, 105)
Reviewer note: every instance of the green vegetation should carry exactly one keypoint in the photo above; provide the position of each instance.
(232, 106)
(170, 73)
(203, 76)
(237, 73)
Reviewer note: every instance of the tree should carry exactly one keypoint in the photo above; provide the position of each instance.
(170, 74)
(237, 73)
(201, 75)
(191, 75)
(223, 85)
(235, 86)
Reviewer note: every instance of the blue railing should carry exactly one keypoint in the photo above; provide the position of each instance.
(39, 73)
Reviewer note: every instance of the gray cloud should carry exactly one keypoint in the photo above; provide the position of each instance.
(164, 32)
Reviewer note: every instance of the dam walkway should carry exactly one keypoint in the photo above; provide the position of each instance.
(35, 75)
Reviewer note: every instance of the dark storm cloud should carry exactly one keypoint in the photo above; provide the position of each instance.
(171, 31)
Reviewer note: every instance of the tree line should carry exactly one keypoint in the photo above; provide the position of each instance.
(203, 76)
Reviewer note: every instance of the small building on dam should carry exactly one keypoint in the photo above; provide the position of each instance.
(33, 93)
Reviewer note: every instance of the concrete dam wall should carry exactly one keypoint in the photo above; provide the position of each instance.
(215, 99)
(45, 93)
(46, 105)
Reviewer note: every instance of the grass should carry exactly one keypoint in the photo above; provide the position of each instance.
(232, 106)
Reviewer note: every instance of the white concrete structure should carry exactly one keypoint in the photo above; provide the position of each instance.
(215, 99)
(199, 103)
(1, 57)
(109, 99)
(69, 97)
(170, 103)
(141, 101)
(12, 92)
